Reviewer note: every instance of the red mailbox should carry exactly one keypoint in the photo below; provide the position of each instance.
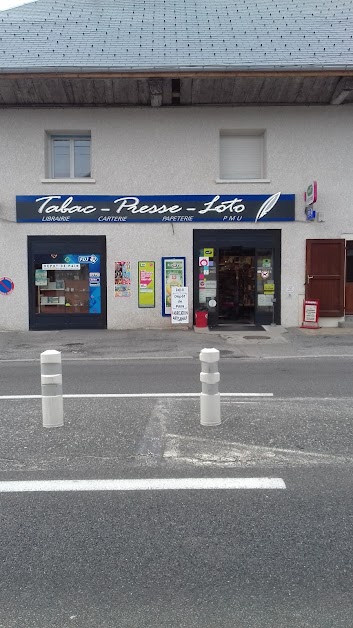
(201, 318)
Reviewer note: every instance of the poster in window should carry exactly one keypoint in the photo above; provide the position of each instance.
(146, 284)
(41, 277)
(122, 287)
(173, 274)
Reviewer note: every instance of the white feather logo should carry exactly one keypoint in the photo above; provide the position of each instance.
(267, 206)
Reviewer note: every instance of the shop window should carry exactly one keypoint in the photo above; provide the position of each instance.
(67, 284)
(241, 155)
(265, 281)
(69, 156)
(349, 263)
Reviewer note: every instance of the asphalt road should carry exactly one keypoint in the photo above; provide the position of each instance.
(319, 377)
(193, 559)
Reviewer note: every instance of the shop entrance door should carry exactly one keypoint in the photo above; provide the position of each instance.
(236, 285)
(237, 276)
(325, 275)
(349, 278)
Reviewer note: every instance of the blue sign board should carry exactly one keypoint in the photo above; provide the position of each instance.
(310, 213)
(228, 208)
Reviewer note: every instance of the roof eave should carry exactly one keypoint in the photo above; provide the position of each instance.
(253, 70)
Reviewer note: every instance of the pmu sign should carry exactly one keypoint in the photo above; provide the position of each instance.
(6, 286)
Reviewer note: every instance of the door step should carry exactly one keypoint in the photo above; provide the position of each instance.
(348, 322)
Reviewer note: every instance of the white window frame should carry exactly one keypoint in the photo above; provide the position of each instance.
(244, 133)
(71, 136)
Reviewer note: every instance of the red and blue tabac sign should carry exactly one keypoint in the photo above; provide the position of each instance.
(6, 286)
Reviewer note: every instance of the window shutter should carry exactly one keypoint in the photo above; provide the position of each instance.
(241, 156)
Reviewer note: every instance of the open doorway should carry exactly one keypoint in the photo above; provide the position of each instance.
(237, 275)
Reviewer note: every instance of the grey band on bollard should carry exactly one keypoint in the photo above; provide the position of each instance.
(210, 399)
(52, 389)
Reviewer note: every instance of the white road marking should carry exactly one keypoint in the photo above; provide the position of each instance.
(131, 358)
(298, 357)
(243, 358)
(15, 397)
(153, 484)
(299, 399)
(134, 395)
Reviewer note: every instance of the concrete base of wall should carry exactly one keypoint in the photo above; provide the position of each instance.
(347, 322)
(330, 322)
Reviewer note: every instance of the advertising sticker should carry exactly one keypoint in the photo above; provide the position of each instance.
(269, 288)
(173, 274)
(41, 277)
(122, 287)
(146, 284)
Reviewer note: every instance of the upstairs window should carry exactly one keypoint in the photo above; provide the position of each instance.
(242, 155)
(70, 156)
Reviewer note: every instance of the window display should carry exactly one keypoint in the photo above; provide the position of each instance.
(265, 280)
(67, 284)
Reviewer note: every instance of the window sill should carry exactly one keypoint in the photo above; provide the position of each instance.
(243, 181)
(85, 180)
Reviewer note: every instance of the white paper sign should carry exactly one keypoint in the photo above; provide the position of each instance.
(61, 266)
(209, 292)
(310, 313)
(180, 305)
(264, 299)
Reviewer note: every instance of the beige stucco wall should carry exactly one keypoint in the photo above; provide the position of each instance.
(139, 151)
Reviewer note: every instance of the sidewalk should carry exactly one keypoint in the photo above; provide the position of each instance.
(153, 343)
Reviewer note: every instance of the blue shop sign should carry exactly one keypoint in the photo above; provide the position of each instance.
(228, 208)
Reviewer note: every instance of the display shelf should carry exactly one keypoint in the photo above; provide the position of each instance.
(52, 289)
(62, 305)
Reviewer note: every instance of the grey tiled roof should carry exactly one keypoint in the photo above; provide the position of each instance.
(171, 34)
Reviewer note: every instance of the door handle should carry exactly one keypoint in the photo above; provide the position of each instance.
(309, 277)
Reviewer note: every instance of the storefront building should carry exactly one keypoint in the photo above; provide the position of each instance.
(103, 209)
(62, 241)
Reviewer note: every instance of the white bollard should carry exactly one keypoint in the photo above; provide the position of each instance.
(210, 399)
(52, 388)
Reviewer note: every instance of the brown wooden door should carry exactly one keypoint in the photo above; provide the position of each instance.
(325, 275)
(349, 278)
